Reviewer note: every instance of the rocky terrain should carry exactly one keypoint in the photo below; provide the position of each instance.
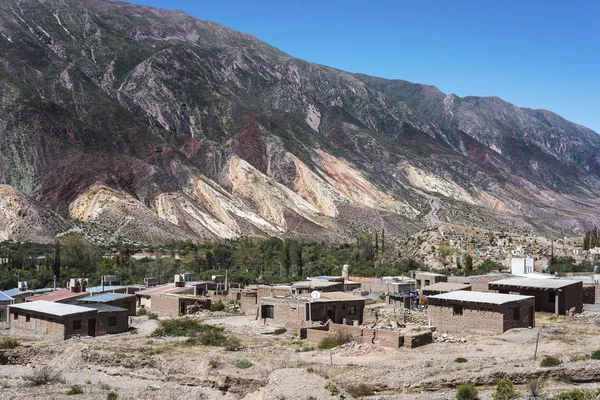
(155, 125)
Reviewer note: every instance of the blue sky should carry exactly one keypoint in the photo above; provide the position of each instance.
(542, 54)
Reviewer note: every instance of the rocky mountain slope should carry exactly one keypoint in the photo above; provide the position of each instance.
(156, 125)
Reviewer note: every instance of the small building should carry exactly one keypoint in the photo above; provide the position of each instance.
(5, 300)
(144, 297)
(520, 266)
(551, 295)
(46, 319)
(174, 305)
(20, 295)
(305, 287)
(387, 286)
(427, 278)
(444, 287)
(464, 311)
(110, 319)
(294, 312)
(125, 301)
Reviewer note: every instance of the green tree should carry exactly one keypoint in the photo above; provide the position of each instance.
(468, 264)
(79, 254)
(56, 261)
(286, 260)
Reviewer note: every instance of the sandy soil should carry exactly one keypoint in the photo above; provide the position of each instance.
(139, 367)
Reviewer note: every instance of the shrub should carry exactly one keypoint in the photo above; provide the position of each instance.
(152, 316)
(44, 376)
(333, 390)
(243, 363)
(198, 333)
(142, 311)
(505, 390)
(308, 348)
(75, 389)
(218, 306)
(329, 342)
(550, 361)
(361, 390)
(213, 364)
(279, 331)
(111, 396)
(460, 360)
(572, 395)
(466, 392)
(595, 355)
(535, 387)
(8, 343)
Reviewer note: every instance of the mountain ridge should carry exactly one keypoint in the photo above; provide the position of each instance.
(147, 117)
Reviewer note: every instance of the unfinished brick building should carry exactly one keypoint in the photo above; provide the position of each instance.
(174, 305)
(294, 312)
(126, 301)
(44, 319)
(464, 311)
(557, 296)
(444, 287)
(428, 278)
(110, 319)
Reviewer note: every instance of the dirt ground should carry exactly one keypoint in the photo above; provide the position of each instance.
(135, 366)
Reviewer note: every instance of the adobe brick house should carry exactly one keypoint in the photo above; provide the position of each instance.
(110, 319)
(387, 286)
(557, 296)
(428, 278)
(144, 297)
(45, 319)
(174, 305)
(479, 283)
(126, 301)
(305, 287)
(464, 311)
(294, 312)
(444, 287)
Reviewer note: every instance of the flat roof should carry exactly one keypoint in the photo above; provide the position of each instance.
(337, 296)
(16, 291)
(428, 273)
(5, 297)
(535, 283)
(58, 295)
(315, 284)
(168, 288)
(480, 297)
(106, 297)
(447, 286)
(50, 307)
(104, 307)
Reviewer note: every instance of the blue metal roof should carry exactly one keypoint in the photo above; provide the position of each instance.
(15, 291)
(5, 297)
(105, 298)
(102, 289)
(104, 307)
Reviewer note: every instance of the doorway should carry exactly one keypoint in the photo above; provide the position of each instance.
(92, 327)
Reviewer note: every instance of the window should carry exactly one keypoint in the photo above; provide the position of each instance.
(457, 310)
(76, 325)
(112, 321)
(516, 314)
(267, 311)
(352, 310)
(551, 297)
(26, 318)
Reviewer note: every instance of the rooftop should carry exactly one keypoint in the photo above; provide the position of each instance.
(106, 297)
(15, 291)
(446, 287)
(480, 297)
(337, 296)
(315, 284)
(103, 307)
(50, 307)
(58, 295)
(168, 288)
(428, 273)
(535, 283)
(5, 297)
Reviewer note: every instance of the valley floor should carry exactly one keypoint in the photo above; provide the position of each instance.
(136, 366)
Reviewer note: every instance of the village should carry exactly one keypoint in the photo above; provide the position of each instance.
(340, 333)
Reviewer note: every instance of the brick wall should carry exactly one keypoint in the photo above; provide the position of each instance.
(102, 327)
(379, 287)
(589, 294)
(480, 317)
(359, 334)
(165, 306)
(426, 280)
(45, 326)
(248, 302)
(574, 297)
(418, 339)
(127, 303)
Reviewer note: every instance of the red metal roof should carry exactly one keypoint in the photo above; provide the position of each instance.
(58, 295)
(169, 288)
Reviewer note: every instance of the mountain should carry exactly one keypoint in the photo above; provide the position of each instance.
(153, 125)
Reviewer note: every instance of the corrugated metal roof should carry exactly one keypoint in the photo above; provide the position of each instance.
(535, 283)
(446, 287)
(58, 295)
(106, 297)
(104, 307)
(50, 307)
(102, 289)
(15, 291)
(480, 297)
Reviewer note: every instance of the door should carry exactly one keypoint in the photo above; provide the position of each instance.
(531, 316)
(331, 313)
(182, 308)
(92, 327)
